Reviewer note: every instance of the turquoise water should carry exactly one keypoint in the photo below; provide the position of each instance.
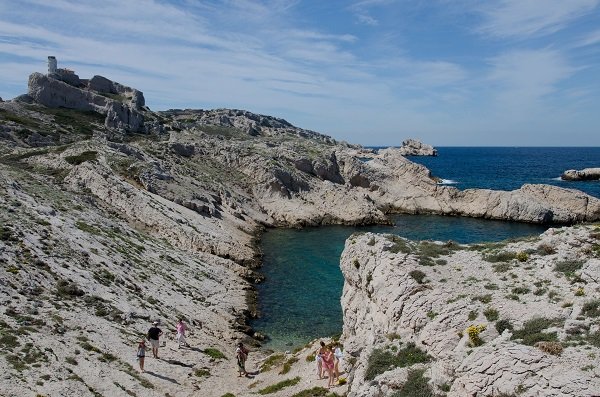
(300, 298)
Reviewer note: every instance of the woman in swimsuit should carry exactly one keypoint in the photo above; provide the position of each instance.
(328, 364)
(319, 357)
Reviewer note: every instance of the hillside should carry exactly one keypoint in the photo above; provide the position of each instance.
(114, 216)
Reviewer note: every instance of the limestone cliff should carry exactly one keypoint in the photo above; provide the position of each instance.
(531, 305)
(121, 112)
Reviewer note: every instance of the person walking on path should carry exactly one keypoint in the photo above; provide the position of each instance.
(241, 354)
(181, 328)
(338, 355)
(141, 354)
(319, 358)
(154, 334)
(328, 365)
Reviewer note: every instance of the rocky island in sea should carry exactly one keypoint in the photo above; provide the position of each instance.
(587, 174)
(115, 216)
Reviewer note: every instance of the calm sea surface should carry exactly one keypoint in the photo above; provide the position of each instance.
(300, 299)
(508, 168)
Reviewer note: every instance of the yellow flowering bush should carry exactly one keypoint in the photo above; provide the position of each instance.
(473, 332)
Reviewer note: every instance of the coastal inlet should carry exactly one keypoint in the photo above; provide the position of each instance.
(300, 297)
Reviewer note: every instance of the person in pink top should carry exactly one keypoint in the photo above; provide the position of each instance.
(181, 328)
(328, 364)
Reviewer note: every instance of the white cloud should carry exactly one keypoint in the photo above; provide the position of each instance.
(526, 18)
(361, 10)
(591, 38)
(522, 79)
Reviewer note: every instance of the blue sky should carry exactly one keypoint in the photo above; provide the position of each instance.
(449, 72)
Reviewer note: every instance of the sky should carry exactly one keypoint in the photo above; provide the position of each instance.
(373, 72)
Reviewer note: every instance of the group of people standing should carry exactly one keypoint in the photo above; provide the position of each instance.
(153, 336)
(328, 360)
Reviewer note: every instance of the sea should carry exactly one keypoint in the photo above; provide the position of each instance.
(300, 297)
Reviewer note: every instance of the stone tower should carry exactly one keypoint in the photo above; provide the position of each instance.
(51, 65)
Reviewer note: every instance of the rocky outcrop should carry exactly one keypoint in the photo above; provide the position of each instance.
(54, 93)
(586, 174)
(409, 187)
(398, 292)
(413, 147)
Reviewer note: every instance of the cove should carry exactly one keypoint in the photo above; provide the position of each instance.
(300, 297)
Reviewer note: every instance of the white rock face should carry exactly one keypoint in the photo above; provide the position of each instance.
(55, 93)
(413, 147)
(386, 298)
(586, 174)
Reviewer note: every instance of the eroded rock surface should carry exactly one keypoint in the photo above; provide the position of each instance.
(398, 292)
(413, 147)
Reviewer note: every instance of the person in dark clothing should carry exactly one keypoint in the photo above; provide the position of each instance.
(154, 334)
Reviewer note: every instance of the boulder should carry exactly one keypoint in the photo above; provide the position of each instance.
(413, 147)
(586, 174)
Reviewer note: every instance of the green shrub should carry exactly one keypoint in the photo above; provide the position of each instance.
(416, 385)
(520, 290)
(568, 267)
(272, 361)
(278, 386)
(287, 366)
(532, 331)
(201, 372)
(68, 289)
(487, 298)
(501, 325)
(82, 157)
(417, 275)
(410, 355)
(71, 360)
(491, 314)
(502, 256)
(502, 267)
(213, 353)
(381, 360)
(316, 392)
(591, 308)
(545, 249)
(522, 256)
(400, 245)
(472, 315)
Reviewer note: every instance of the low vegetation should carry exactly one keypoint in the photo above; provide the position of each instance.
(382, 360)
(278, 386)
(416, 385)
(533, 331)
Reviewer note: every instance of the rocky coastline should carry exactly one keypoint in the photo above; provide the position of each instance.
(114, 215)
